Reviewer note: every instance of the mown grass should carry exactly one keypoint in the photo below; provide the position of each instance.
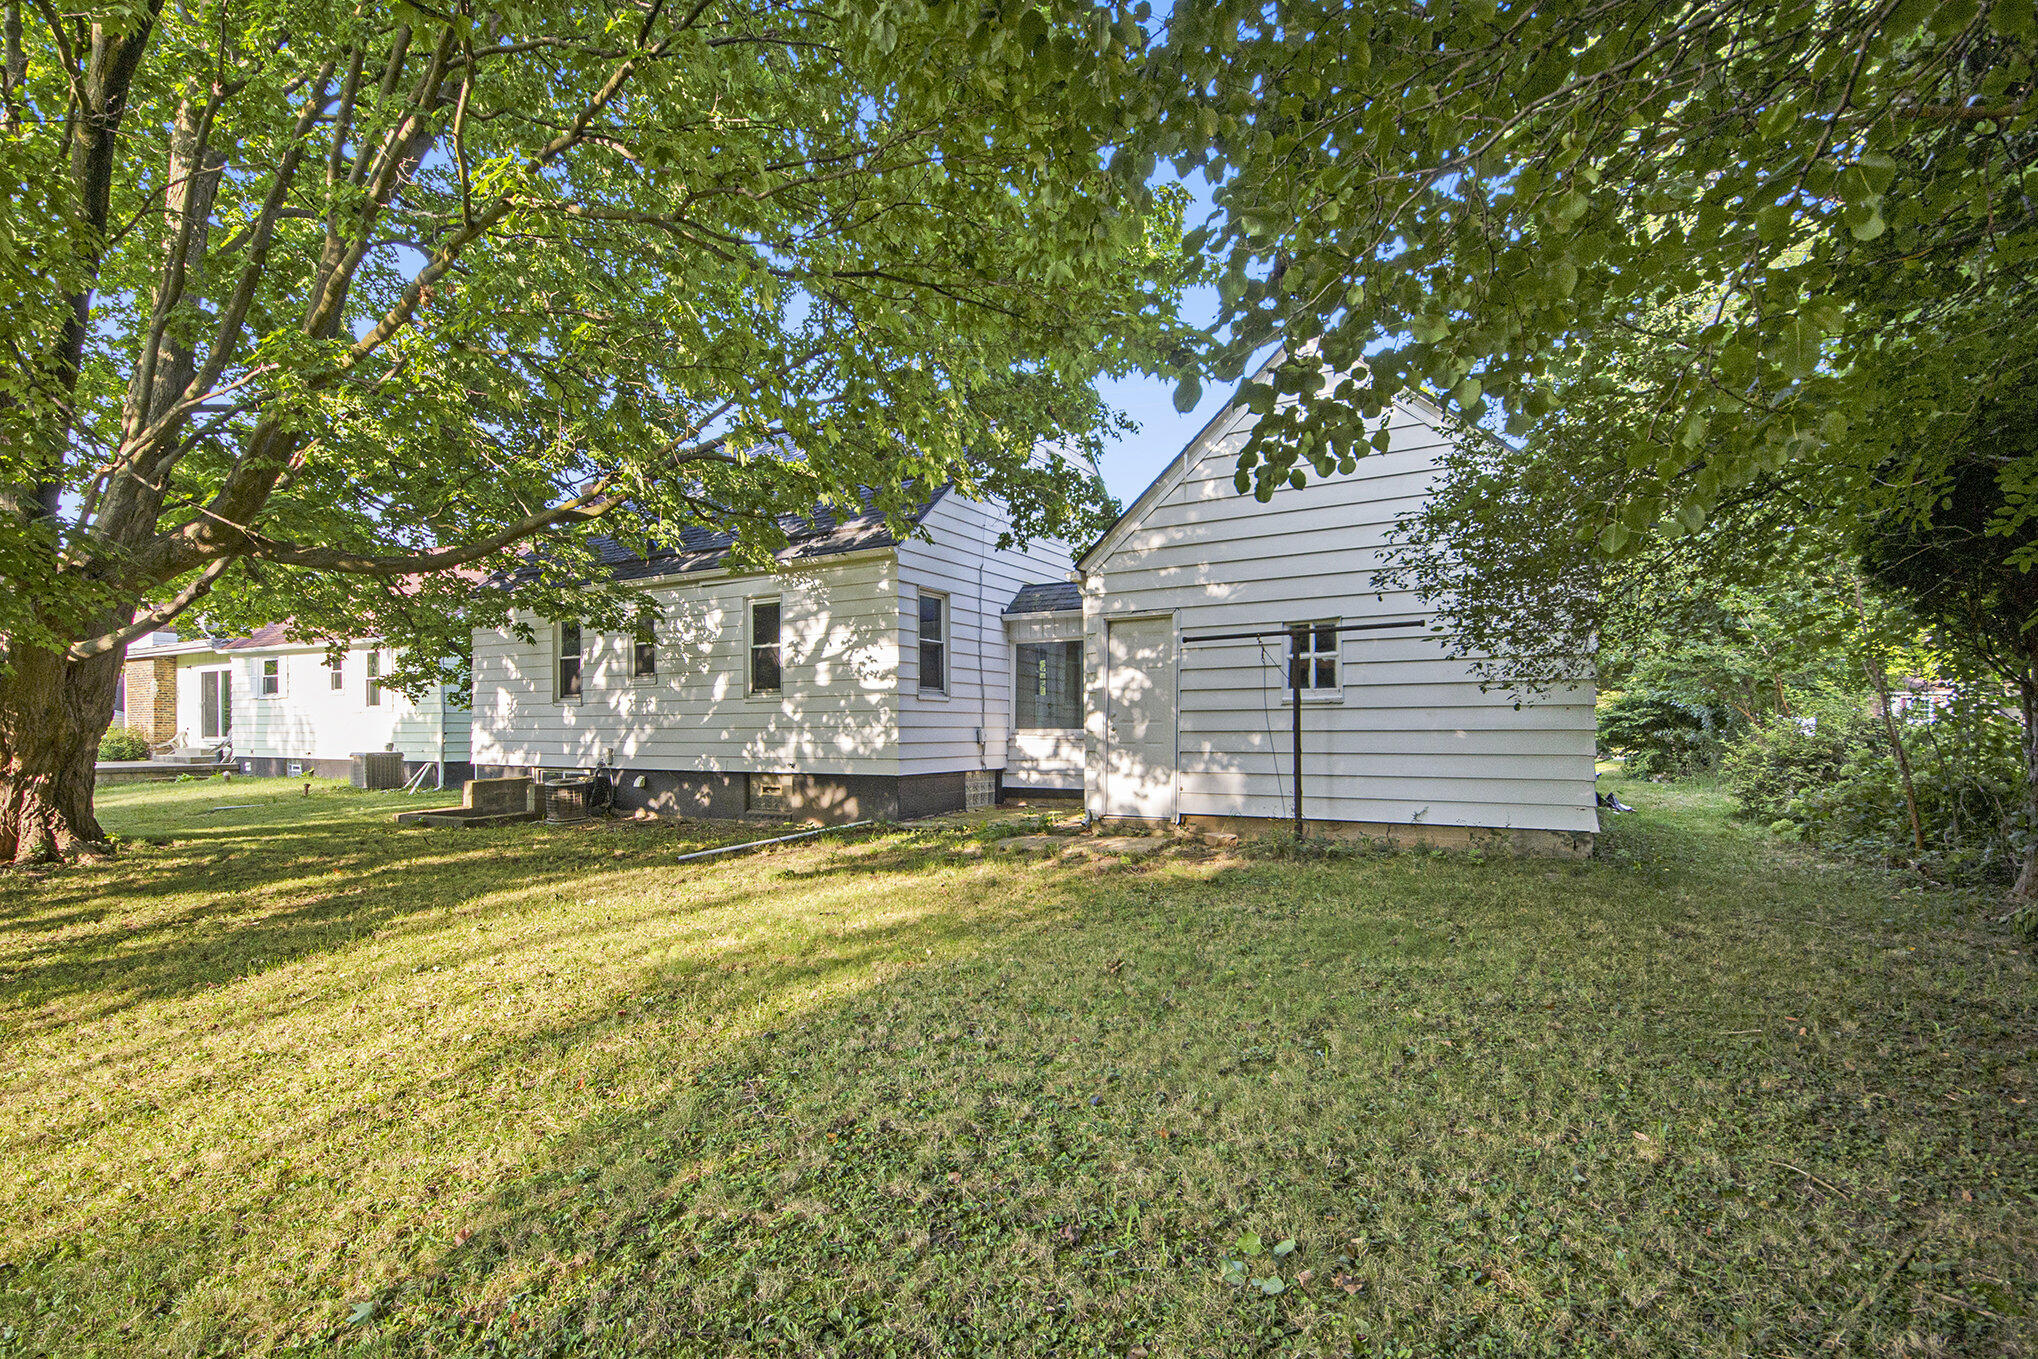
(295, 1080)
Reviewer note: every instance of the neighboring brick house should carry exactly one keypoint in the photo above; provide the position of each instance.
(146, 700)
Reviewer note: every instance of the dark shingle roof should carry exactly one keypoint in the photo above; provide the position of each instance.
(825, 531)
(1059, 596)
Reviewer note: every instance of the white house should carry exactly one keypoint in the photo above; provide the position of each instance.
(1187, 720)
(869, 675)
(284, 710)
(292, 711)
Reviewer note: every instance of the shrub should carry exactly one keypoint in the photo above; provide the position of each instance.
(1838, 785)
(123, 743)
(1659, 732)
(1782, 758)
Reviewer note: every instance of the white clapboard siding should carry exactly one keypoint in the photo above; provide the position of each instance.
(308, 719)
(190, 667)
(1045, 759)
(836, 711)
(960, 557)
(1410, 737)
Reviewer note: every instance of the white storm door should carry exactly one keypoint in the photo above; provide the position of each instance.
(215, 705)
(1139, 719)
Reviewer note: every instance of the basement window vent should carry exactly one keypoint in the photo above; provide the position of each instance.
(296, 769)
(979, 789)
(768, 793)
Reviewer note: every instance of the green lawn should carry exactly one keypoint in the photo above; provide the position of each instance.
(283, 1077)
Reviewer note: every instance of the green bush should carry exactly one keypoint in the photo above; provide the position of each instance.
(123, 743)
(1658, 732)
(1837, 783)
(1781, 759)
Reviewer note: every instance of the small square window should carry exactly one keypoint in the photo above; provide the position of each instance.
(272, 677)
(933, 643)
(1313, 659)
(766, 652)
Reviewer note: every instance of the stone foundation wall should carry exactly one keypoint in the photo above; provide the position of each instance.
(1544, 844)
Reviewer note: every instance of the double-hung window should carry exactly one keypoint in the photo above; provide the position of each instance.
(644, 651)
(336, 673)
(933, 643)
(374, 691)
(567, 685)
(1313, 663)
(272, 676)
(766, 654)
(1048, 693)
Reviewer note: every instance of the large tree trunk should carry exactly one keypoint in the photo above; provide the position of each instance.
(2026, 889)
(52, 714)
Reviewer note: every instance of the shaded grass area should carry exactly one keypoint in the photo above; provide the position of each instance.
(305, 1081)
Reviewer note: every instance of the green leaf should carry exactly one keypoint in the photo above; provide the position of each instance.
(1952, 16)
(1270, 1285)
(1249, 1244)
(1188, 392)
(1285, 1247)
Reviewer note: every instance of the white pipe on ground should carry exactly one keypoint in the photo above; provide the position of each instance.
(775, 840)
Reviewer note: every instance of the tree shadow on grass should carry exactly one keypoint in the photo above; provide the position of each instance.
(872, 1181)
(1038, 1122)
(191, 1247)
(262, 898)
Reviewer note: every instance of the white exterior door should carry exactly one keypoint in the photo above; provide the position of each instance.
(215, 705)
(1139, 719)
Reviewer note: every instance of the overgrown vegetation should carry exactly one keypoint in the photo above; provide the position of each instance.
(282, 1076)
(1658, 730)
(123, 743)
(1829, 775)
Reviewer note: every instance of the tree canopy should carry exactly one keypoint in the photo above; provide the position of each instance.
(380, 290)
(1816, 219)
(319, 312)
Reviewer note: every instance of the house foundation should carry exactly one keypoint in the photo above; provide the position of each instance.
(830, 799)
(1541, 844)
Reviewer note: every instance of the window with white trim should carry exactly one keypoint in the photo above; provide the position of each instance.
(566, 685)
(272, 676)
(1313, 668)
(767, 655)
(933, 643)
(1048, 695)
(374, 690)
(644, 651)
(336, 677)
